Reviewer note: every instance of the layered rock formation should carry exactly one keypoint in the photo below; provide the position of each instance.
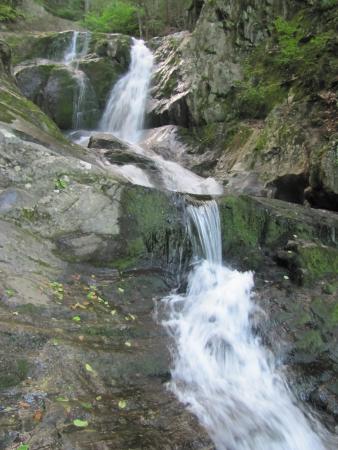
(85, 255)
(255, 84)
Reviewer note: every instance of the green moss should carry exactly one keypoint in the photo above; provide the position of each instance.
(311, 341)
(242, 227)
(327, 311)
(257, 101)
(48, 45)
(13, 106)
(318, 260)
(102, 74)
(8, 13)
(299, 54)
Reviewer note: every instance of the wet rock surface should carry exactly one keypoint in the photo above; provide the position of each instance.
(91, 353)
(85, 259)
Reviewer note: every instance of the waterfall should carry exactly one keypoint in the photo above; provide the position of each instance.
(221, 370)
(124, 113)
(84, 102)
(76, 48)
(71, 51)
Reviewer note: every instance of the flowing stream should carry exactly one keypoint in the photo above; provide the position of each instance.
(221, 370)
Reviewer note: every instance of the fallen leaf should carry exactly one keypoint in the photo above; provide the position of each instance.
(80, 423)
(98, 398)
(78, 305)
(81, 338)
(62, 399)
(23, 447)
(87, 405)
(127, 344)
(38, 416)
(121, 290)
(89, 368)
(122, 404)
(77, 319)
(113, 312)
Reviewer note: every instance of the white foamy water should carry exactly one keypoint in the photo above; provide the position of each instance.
(124, 113)
(221, 370)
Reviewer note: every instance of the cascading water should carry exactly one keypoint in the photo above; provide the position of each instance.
(77, 49)
(221, 370)
(124, 113)
(84, 103)
(124, 118)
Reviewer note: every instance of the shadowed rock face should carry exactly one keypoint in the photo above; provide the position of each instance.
(5, 59)
(255, 124)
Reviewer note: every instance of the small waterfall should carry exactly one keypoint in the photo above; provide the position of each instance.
(71, 51)
(84, 103)
(221, 370)
(124, 113)
(78, 48)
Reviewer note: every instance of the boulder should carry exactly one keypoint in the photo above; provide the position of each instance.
(103, 73)
(64, 93)
(108, 142)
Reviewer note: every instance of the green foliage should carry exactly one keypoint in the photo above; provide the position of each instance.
(23, 447)
(67, 9)
(80, 423)
(297, 55)
(57, 289)
(117, 17)
(60, 184)
(257, 100)
(8, 13)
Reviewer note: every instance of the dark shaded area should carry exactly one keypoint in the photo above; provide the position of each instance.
(290, 188)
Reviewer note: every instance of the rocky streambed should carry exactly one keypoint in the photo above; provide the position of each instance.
(86, 257)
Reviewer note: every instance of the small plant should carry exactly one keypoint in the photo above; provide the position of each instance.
(58, 289)
(61, 184)
(10, 292)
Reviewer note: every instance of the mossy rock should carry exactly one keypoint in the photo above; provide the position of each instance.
(252, 226)
(103, 74)
(32, 81)
(59, 97)
(14, 106)
(49, 45)
(151, 226)
(318, 260)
